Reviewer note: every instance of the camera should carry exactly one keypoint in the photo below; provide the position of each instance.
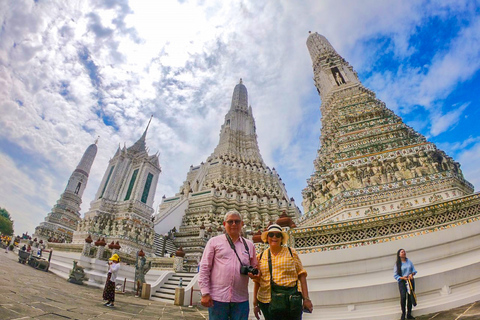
(248, 269)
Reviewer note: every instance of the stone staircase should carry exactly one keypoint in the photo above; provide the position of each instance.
(166, 293)
(170, 246)
(163, 244)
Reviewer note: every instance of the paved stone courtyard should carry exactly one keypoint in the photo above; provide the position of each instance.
(27, 293)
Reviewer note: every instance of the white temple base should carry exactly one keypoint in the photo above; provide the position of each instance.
(358, 283)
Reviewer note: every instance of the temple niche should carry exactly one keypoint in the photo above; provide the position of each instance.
(122, 209)
(370, 162)
(234, 176)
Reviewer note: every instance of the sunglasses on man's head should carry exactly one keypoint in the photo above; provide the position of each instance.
(274, 234)
(230, 222)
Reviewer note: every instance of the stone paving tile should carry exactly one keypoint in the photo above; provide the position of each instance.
(474, 310)
(22, 309)
(467, 312)
(8, 314)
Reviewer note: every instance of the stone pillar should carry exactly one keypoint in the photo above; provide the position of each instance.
(86, 246)
(178, 262)
(100, 251)
(100, 243)
(86, 249)
(179, 296)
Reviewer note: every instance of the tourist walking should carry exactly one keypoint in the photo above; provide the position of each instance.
(227, 262)
(281, 291)
(403, 272)
(109, 290)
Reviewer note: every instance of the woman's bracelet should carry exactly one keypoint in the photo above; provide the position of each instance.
(307, 299)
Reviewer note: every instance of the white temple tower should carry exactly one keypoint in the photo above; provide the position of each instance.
(369, 162)
(234, 176)
(61, 222)
(122, 209)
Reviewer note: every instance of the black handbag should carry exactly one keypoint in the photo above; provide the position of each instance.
(412, 293)
(284, 300)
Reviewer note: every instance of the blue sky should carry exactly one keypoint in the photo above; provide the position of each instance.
(72, 71)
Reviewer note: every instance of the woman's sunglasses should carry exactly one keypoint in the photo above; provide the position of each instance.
(275, 234)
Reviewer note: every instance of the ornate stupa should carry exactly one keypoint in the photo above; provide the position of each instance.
(234, 176)
(122, 209)
(370, 162)
(62, 221)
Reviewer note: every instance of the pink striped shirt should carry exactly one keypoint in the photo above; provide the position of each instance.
(220, 269)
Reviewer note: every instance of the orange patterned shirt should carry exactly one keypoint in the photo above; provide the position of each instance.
(285, 272)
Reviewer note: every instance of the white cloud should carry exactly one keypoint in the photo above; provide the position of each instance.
(442, 123)
(72, 63)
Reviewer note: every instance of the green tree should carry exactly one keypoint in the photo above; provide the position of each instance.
(6, 226)
(4, 213)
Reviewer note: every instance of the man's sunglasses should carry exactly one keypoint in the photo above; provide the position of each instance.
(275, 234)
(230, 222)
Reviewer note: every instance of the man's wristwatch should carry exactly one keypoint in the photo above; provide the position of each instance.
(307, 298)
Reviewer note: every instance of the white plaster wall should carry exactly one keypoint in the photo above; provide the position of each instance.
(362, 277)
(172, 219)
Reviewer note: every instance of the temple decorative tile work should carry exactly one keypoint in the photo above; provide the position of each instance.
(234, 176)
(62, 221)
(369, 162)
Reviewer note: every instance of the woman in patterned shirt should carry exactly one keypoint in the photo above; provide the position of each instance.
(287, 271)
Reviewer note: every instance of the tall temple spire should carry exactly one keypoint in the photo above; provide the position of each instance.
(238, 136)
(62, 221)
(141, 145)
(330, 70)
(234, 176)
(240, 97)
(369, 162)
(87, 160)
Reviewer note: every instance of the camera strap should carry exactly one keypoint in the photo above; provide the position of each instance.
(233, 247)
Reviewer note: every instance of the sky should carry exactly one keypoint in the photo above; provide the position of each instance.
(74, 70)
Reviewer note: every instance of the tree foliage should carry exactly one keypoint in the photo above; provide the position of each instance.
(6, 223)
(4, 213)
(6, 226)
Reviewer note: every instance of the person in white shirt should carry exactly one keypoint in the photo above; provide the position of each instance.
(109, 290)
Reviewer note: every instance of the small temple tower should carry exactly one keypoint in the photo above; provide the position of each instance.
(369, 162)
(61, 222)
(122, 209)
(234, 176)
